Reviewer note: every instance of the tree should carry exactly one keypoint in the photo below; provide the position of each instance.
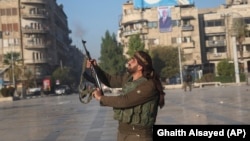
(28, 78)
(14, 67)
(135, 43)
(240, 31)
(111, 59)
(165, 60)
(225, 68)
(63, 75)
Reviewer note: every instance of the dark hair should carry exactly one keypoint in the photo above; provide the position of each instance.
(148, 71)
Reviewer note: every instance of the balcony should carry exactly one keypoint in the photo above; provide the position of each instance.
(34, 30)
(187, 44)
(132, 17)
(246, 54)
(215, 43)
(135, 31)
(187, 28)
(33, 1)
(34, 16)
(216, 56)
(217, 29)
(36, 46)
(31, 61)
(246, 41)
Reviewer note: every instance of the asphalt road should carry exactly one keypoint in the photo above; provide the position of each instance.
(64, 118)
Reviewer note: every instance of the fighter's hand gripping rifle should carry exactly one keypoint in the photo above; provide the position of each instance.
(83, 92)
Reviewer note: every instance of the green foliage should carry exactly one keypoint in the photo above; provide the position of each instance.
(135, 43)
(63, 75)
(225, 79)
(243, 77)
(111, 59)
(6, 92)
(225, 68)
(240, 30)
(8, 58)
(165, 60)
(29, 78)
(209, 77)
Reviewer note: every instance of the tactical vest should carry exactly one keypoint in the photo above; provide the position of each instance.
(144, 114)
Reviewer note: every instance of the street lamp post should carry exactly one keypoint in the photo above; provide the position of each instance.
(236, 65)
(235, 56)
(12, 59)
(179, 54)
(13, 67)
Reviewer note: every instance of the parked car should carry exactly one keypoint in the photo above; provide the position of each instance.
(62, 89)
(36, 90)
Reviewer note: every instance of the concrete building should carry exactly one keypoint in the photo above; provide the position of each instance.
(38, 31)
(218, 32)
(202, 34)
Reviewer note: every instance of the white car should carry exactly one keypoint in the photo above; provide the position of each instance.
(34, 90)
(63, 89)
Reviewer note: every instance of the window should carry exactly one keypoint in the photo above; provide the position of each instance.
(212, 23)
(174, 40)
(248, 48)
(186, 22)
(152, 41)
(176, 23)
(218, 23)
(221, 49)
(209, 50)
(186, 39)
(248, 34)
(137, 26)
(16, 41)
(8, 11)
(32, 11)
(208, 23)
(3, 12)
(14, 11)
(15, 27)
(4, 27)
(247, 20)
(152, 24)
(9, 27)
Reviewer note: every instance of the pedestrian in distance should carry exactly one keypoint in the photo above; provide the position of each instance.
(136, 107)
(188, 82)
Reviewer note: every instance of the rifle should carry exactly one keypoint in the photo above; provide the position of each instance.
(83, 91)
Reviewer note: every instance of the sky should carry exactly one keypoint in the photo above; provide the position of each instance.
(90, 19)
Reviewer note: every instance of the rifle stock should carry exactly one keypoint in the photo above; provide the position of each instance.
(97, 81)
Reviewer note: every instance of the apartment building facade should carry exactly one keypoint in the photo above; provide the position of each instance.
(184, 32)
(218, 34)
(38, 31)
(202, 34)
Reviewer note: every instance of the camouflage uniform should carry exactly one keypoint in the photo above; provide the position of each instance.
(188, 82)
(135, 109)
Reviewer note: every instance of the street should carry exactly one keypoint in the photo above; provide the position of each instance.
(64, 118)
